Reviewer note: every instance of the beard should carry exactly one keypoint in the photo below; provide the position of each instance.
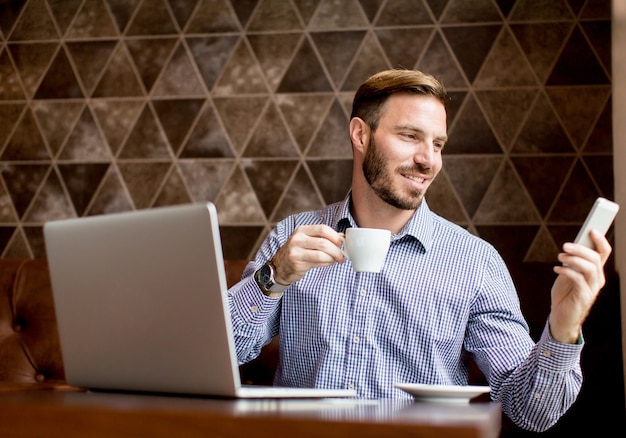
(380, 180)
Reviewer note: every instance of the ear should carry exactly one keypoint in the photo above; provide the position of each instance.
(359, 134)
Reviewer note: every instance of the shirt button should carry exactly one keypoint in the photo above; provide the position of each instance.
(363, 292)
(254, 309)
(546, 353)
(537, 395)
(356, 339)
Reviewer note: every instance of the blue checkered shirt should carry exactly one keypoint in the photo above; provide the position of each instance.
(442, 296)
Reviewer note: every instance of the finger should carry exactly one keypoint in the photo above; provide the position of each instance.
(577, 268)
(603, 247)
(318, 237)
(313, 246)
(326, 232)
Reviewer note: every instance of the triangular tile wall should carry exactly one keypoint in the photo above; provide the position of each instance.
(112, 105)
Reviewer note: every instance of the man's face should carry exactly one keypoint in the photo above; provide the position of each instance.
(404, 153)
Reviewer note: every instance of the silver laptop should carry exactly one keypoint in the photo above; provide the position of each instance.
(140, 300)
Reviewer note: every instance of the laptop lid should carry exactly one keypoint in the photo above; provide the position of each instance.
(140, 300)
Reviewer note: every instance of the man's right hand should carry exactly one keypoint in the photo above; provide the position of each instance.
(310, 246)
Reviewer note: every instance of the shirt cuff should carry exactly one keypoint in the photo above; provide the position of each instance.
(555, 355)
(253, 306)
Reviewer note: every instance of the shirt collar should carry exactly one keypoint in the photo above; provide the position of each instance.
(419, 227)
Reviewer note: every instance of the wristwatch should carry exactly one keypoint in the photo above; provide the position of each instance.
(264, 277)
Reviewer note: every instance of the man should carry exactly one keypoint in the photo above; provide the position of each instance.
(443, 295)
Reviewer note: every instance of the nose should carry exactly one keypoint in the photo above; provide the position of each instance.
(425, 153)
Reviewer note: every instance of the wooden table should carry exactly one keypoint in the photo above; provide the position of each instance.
(68, 412)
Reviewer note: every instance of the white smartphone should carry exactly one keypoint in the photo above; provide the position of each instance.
(600, 218)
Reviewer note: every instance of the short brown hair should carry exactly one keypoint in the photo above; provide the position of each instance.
(373, 93)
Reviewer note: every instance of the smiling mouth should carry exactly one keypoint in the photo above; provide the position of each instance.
(417, 179)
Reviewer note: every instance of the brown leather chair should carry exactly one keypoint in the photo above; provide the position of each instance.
(29, 341)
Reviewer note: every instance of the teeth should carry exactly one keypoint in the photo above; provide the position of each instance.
(419, 180)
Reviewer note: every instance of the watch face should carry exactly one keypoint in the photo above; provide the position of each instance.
(265, 275)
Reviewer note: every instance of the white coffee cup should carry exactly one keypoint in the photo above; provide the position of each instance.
(366, 248)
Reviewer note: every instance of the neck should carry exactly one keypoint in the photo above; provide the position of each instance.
(369, 211)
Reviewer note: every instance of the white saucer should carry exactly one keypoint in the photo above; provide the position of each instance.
(443, 393)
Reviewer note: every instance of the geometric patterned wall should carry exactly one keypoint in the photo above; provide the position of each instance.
(112, 105)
